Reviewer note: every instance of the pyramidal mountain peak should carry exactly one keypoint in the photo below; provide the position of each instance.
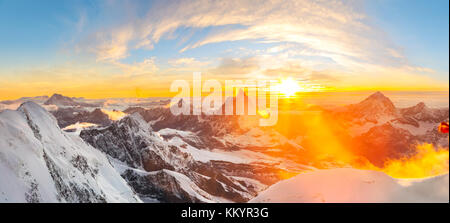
(378, 97)
(376, 103)
(61, 100)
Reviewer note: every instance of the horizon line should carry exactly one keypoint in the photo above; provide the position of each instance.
(166, 96)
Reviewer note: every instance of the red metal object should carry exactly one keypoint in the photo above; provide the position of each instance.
(443, 127)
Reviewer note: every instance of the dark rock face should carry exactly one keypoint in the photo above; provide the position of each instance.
(115, 141)
(208, 127)
(384, 142)
(69, 116)
(159, 186)
(167, 167)
(70, 191)
(132, 110)
(160, 170)
(162, 118)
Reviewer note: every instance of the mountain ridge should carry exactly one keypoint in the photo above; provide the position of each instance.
(40, 163)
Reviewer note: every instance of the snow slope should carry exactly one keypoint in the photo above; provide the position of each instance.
(41, 163)
(348, 185)
(166, 166)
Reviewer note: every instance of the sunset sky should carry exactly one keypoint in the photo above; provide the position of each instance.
(137, 48)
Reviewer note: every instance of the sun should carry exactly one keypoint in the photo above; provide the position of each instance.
(288, 87)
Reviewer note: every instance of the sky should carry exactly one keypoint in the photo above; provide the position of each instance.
(112, 48)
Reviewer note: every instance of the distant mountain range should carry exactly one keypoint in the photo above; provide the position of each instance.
(151, 155)
(60, 100)
(381, 131)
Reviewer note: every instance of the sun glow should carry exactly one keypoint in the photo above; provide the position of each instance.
(426, 163)
(325, 148)
(287, 87)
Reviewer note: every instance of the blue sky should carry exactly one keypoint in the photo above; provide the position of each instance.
(420, 27)
(352, 43)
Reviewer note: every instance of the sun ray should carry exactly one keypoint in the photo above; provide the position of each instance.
(287, 87)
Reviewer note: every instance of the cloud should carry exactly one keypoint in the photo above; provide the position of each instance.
(324, 77)
(420, 69)
(147, 66)
(319, 41)
(279, 48)
(290, 69)
(339, 30)
(82, 21)
(304, 74)
(233, 66)
(188, 62)
(110, 46)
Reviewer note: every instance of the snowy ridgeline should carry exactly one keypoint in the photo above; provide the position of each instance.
(41, 163)
(355, 186)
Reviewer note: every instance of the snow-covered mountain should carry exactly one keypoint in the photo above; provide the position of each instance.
(377, 134)
(194, 158)
(14, 104)
(168, 165)
(355, 186)
(377, 110)
(371, 109)
(62, 101)
(378, 131)
(41, 163)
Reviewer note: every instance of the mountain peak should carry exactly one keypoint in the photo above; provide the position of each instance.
(30, 105)
(41, 122)
(376, 104)
(136, 121)
(58, 99)
(378, 95)
(421, 105)
(33, 110)
(420, 108)
(417, 108)
(61, 100)
(57, 95)
(37, 151)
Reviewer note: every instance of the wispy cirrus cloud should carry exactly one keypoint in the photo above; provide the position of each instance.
(335, 29)
(337, 36)
(115, 45)
(147, 66)
(108, 46)
(188, 62)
